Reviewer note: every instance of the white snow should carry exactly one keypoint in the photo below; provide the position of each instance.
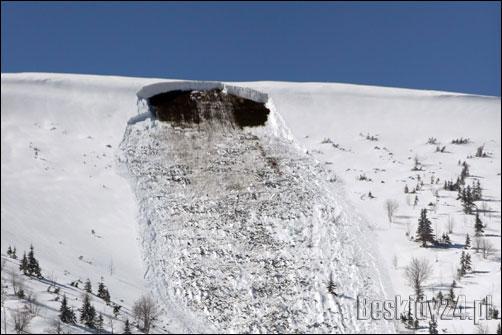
(60, 137)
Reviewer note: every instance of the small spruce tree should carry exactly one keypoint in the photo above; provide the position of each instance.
(23, 266)
(478, 225)
(99, 323)
(88, 286)
(33, 266)
(332, 286)
(467, 263)
(451, 293)
(462, 269)
(424, 230)
(103, 292)
(467, 242)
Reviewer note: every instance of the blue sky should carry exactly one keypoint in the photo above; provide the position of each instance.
(443, 46)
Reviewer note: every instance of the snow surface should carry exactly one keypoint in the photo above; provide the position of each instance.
(63, 175)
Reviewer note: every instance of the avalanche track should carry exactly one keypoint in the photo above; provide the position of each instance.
(240, 230)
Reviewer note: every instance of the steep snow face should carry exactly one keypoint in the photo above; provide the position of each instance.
(241, 231)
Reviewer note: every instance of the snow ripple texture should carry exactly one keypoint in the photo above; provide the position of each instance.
(241, 231)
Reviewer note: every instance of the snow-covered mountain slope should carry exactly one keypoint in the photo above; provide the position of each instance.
(64, 175)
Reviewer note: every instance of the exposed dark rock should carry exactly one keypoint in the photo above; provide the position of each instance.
(185, 108)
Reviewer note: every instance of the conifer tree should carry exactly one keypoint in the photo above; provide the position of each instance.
(66, 314)
(101, 288)
(14, 256)
(99, 323)
(116, 310)
(478, 225)
(33, 266)
(424, 230)
(332, 286)
(9, 251)
(451, 293)
(465, 171)
(461, 270)
(406, 190)
(467, 263)
(23, 266)
(477, 191)
(87, 312)
(88, 286)
(467, 242)
(467, 200)
(103, 292)
(127, 327)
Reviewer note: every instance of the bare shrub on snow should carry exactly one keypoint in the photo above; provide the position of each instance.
(486, 247)
(417, 273)
(450, 224)
(482, 329)
(16, 281)
(32, 305)
(391, 207)
(21, 319)
(145, 311)
(57, 327)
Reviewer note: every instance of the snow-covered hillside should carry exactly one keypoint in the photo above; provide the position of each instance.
(84, 179)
